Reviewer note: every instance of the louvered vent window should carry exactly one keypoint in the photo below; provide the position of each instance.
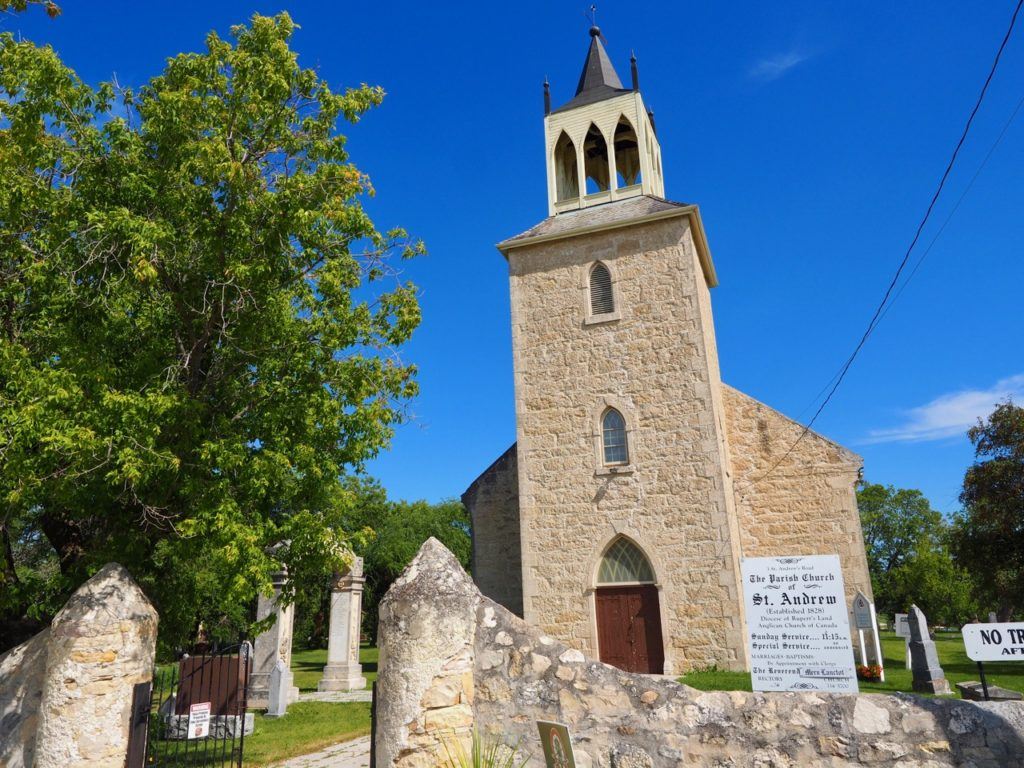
(601, 301)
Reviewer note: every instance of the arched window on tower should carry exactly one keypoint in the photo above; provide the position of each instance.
(595, 160)
(602, 301)
(613, 438)
(627, 154)
(567, 180)
(625, 563)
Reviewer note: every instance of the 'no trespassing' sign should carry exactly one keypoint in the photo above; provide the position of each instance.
(994, 642)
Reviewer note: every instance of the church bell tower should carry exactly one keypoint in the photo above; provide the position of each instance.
(601, 145)
(626, 522)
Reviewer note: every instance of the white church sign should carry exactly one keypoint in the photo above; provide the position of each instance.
(798, 628)
(994, 642)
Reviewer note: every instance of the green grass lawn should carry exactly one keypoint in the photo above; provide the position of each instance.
(308, 666)
(949, 645)
(308, 726)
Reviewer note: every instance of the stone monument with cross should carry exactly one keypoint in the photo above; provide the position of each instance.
(343, 671)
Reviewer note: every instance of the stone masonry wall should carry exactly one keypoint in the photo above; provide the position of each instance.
(493, 505)
(451, 659)
(655, 365)
(21, 690)
(65, 695)
(805, 506)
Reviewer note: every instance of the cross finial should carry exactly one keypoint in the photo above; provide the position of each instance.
(593, 15)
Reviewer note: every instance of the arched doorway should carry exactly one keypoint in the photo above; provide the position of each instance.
(628, 612)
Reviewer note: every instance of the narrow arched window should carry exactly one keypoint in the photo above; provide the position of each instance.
(613, 438)
(567, 180)
(602, 302)
(627, 154)
(595, 160)
(625, 563)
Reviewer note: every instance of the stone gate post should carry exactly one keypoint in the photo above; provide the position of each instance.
(343, 671)
(101, 644)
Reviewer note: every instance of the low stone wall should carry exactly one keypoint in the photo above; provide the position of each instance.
(65, 695)
(451, 659)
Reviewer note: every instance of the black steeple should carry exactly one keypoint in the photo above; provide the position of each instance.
(598, 81)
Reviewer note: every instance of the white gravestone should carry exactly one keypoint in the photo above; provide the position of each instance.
(798, 629)
(343, 671)
(280, 677)
(902, 622)
(272, 645)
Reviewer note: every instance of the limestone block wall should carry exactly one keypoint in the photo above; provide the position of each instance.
(493, 505)
(505, 675)
(805, 506)
(21, 691)
(655, 363)
(65, 695)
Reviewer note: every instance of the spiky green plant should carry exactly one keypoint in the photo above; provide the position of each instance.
(485, 753)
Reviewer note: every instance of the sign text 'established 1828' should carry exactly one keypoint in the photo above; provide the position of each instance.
(798, 629)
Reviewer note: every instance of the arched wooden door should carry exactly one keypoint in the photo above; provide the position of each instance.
(628, 612)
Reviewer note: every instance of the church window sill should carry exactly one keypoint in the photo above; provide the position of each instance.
(618, 469)
(609, 317)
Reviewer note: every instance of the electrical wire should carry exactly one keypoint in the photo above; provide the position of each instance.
(882, 308)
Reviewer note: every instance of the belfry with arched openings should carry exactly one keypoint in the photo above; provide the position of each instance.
(638, 480)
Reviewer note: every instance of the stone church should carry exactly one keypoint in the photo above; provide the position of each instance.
(638, 479)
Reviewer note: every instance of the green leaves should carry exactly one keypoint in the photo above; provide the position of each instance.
(199, 323)
(907, 544)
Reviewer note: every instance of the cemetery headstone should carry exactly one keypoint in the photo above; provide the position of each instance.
(928, 676)
(901, 624)
(271, 645)
(280, 682)
(343, 671)
(992, 618)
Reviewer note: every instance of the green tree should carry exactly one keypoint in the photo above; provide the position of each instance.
(909, 558)
(989, 532)
(398, 531)
(199, 325)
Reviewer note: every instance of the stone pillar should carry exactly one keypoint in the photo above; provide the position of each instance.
(343, 671)
(274, 644)
(101, 644)
(425, 690)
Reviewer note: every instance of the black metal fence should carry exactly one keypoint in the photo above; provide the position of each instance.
(195, 715)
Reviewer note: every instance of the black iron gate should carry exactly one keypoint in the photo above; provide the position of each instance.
(194, 714)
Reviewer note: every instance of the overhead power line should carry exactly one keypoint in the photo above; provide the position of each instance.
(882, 308)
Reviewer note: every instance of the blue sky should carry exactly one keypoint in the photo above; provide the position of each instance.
(811, 135)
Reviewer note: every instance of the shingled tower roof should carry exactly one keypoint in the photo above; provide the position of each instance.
(598, 81)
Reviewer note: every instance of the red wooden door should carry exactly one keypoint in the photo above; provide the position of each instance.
(629, 628)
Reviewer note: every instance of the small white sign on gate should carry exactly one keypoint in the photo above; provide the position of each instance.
(199, 720)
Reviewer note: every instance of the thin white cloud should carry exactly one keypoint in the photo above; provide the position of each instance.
(951, 414)
(774, 67)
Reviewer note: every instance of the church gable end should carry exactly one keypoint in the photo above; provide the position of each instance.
(807, 504)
